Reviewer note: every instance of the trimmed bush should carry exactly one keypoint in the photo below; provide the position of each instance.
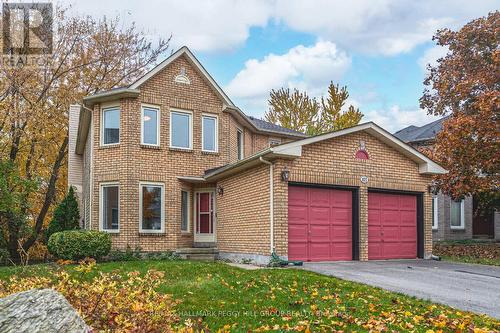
(66, 215)
(79, 244)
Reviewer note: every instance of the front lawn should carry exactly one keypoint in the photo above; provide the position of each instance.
(219, 296)
(469, 251)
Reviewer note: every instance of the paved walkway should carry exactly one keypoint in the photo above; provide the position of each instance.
(468, 287)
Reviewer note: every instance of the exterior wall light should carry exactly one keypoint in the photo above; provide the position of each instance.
(285, 175)
(220, 190)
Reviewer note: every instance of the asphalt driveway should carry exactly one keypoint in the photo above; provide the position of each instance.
(463, 286)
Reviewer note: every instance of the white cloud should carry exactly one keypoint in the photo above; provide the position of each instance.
(396, 118)
(306, 68)
(431, 56)
(216, 25)
(385, 27)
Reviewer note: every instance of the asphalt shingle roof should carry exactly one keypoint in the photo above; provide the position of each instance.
(425, 132)
(267, 126)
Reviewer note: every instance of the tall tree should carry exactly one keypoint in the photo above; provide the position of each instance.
(302, 113)
(466, 85)
(88, 55)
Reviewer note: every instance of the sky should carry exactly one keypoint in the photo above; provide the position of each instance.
(379, 49)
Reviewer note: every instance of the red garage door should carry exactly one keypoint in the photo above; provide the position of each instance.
(392, 226)
(319, 224)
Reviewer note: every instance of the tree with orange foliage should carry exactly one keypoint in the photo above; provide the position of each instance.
(465, 84)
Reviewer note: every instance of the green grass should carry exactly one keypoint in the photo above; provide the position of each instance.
(469, 251)
(473, 260)
(240, 300)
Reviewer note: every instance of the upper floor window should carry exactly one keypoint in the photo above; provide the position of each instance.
(434, 213)
(239, 143)
(151, 207)
(181, 129)
(150, 125)
(457, 214)
(209, 133)
(110, 126)
(109, 211)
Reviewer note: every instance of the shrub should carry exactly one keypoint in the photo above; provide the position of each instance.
(79, 244)
(66, 215)
(108, 302)
(128, 254)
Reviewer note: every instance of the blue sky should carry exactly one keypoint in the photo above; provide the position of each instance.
(377, 48)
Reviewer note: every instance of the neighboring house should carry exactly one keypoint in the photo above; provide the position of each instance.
(170, 162)
(452, 220)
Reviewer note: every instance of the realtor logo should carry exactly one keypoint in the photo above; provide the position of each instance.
(27, 28)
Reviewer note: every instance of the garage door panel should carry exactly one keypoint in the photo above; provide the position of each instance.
(392, 226)
(342, 251)
(319, 232)
(341, 199)
(319, 224)
(319, 251)
(319, 197)
(389, 218)
(319, 215)
(297, 250)
(297, 232)
(341, 216)
(296, 197)
(340, 233)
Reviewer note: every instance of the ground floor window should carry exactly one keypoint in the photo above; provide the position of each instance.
(457, 214)
(109, 212)
(435, 213)
(185, 211)
(151, 207)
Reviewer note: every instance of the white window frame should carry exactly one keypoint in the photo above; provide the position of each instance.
(101, 205)
(109, 108)
(212, 116)
(182, 112)
(435, 217)
(162, 208)
(158, 115)
(462, 216)
(239, 130)
(188, 212)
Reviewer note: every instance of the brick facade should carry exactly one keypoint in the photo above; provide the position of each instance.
(129, 163)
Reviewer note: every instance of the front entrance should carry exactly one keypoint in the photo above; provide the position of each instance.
(483, 220)
(204, 216)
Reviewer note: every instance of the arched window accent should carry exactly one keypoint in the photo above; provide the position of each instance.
(362, 155)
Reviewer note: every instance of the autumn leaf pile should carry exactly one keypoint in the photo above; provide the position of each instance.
(477, 250)
(109, 301)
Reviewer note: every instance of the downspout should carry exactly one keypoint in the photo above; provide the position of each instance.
(271, 201)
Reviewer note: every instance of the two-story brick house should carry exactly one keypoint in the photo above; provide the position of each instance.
(170, 162)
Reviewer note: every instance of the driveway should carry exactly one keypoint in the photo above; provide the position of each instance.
(463, 286)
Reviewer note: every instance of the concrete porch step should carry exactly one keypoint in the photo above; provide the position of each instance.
(197, 253)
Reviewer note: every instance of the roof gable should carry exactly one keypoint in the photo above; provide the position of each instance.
(184, 51)
(426, 165)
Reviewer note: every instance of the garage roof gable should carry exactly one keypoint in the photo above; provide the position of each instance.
(426, 165)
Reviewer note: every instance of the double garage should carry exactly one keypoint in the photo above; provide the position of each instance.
(323, 223)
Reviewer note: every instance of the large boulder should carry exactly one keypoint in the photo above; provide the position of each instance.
(39, 310)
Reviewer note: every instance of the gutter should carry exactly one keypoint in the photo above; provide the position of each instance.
(271, 202)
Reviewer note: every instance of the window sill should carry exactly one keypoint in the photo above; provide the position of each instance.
(151, 233)
(112, 232)
(204, 152)
(186, 233)
(146, 146)
(110, 146)
(183, 150)
(434, 229)
(457, 228)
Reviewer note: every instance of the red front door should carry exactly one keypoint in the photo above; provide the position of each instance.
(392, 226)
(205, 209)
(319, 224)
